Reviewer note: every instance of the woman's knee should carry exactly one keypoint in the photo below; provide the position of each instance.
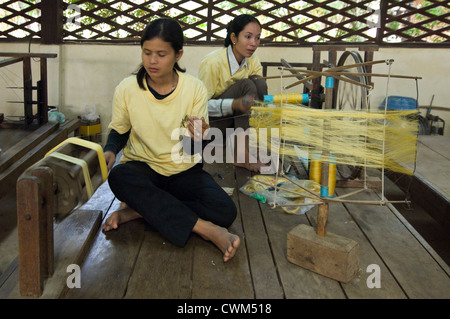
(115, 174)
(260, 86)
(115, 178)
(248, 87)
(121, 174)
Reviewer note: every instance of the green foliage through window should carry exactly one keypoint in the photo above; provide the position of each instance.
(288, 22)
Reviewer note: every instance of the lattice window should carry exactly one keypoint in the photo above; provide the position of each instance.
(205, 21)
(125, 19)
(417, 21)
(285, 22)
(19, 19)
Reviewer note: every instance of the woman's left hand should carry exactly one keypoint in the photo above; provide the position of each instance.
(198, 128)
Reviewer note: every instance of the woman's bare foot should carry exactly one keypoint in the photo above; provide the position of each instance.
(122, 215)
(243, 157)
(227, 242)
(252, 167)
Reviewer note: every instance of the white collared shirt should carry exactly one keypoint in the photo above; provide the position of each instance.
(234, 65)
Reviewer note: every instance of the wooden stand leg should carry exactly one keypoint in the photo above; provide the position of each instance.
(322, 217)
(35, 200)
(48, 209)
(29, 236)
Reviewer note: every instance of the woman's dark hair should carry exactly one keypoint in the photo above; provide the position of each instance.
(237, 25)
(168, 30)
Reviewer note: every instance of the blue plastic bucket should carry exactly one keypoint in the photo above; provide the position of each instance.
(399, 103)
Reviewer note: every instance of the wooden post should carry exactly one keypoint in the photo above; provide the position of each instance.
(316, 87)
(36, 203)
(30, 236)
(51, 21)
(322, 217)
(43, 94)
(49, 207)
(322, 214)
(27, 91)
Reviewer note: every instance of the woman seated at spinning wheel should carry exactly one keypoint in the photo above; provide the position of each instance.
(174, 198)
(230, 76)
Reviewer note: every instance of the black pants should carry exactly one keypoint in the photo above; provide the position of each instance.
(172, 204)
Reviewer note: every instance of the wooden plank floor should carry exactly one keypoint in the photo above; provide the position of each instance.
(429, 191)
(134, 262)
(433, 162)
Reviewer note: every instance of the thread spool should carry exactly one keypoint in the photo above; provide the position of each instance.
(329, 82)
(289, 98)
(315, 169)
(331, 176)
(315, 174)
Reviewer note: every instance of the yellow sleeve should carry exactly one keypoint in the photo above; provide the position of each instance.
(120, 117)
(200, 107)
(209, 78)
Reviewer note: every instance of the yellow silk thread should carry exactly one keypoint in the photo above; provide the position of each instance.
(359, 138)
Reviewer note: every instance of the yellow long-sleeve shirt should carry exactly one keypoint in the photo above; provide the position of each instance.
(215, 72)
(155, 124)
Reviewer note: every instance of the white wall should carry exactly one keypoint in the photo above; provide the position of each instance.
(87, 74)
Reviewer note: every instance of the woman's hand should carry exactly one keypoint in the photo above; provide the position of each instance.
(198, 128)
(243, 104)
(110, 158)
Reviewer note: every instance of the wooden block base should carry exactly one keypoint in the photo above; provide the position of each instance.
(332, 255)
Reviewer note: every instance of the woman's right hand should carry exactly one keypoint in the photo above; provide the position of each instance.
(243, 104)
(110, 158)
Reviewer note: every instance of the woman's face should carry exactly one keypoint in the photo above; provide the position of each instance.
(159, 58)
(247, 42)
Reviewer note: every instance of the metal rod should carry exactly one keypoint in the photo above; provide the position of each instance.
(20, 87)
(328, 73)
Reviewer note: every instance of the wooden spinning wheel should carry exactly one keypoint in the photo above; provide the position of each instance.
(351, 97)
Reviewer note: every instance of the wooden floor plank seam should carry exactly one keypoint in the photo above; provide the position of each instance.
(133, 267)
(269, 242)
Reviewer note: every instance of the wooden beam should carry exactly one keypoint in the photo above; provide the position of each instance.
(27, 91)
(30, 238)
(28, 55)
(43, 94)
(51, 21)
